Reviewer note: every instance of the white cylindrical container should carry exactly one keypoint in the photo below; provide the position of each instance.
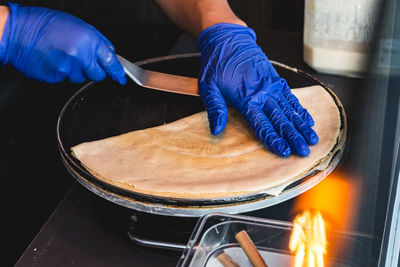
(337, 35)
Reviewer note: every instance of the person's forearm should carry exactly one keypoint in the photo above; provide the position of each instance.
(194, 16)
(3, 19)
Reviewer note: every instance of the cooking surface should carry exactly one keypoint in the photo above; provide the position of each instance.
(188, 140)
(87, 230)
(106, 109)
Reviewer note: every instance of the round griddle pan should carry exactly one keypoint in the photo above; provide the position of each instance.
(105, 109)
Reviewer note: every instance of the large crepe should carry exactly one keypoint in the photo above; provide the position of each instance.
(183, 160)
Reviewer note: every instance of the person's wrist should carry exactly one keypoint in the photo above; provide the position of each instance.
(4, 12)
(216, 13)
(209, 23)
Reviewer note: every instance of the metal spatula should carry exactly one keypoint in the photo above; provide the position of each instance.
(158, 80)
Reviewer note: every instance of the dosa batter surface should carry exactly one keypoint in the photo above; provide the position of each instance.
(183, 160)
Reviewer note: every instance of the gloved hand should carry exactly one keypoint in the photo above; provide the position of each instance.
(52, 46)
(233, 68)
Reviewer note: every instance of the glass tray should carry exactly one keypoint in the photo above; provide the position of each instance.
(215, 233)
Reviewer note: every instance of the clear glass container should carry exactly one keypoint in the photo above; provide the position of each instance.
(215, 234)
(337, 35)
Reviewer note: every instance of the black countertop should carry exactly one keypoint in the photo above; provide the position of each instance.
(86, 230)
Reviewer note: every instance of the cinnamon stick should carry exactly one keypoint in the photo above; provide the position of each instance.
(225, 260)
(250, 249)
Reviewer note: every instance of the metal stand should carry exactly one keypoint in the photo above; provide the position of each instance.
(157, 231)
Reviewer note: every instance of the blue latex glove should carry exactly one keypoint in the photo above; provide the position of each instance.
(233, 68)
(52, 46)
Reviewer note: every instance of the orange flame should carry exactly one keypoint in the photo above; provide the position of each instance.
(308, 239)
(336, 198)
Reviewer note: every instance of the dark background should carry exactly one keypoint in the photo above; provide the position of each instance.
(33, 179)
